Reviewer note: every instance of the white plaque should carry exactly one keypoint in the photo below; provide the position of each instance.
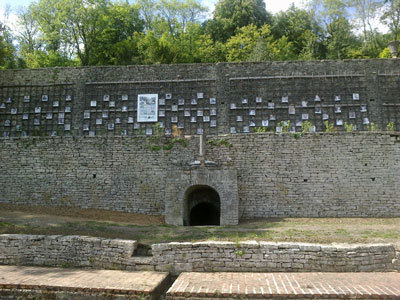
(147, 108)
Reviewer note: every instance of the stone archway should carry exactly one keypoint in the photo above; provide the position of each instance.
(183, 186)
(202, 206)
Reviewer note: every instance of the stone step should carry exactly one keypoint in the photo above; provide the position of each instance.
(142, 260)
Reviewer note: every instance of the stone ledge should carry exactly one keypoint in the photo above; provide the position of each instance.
(72, 251)
(252, 256)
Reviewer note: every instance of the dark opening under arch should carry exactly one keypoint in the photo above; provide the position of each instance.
(202, 206)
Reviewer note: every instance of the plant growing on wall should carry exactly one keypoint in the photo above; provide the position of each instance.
(348, 127)
(390, 126)
(329, 127)
(307, 127)
(372, 127)
(158, 141)
(285, 125)
(220, 142)
(260, 129)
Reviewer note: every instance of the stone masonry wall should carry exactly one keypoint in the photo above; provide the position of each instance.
(278, 175)
(91, 252)
(316, 175)
(91, 151)
(112, 173)
(68, 251)
(206, 99)
(271, 257)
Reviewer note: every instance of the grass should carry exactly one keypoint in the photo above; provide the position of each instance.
(148, 230)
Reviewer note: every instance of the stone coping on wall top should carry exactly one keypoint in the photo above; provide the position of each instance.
(209, 64)
(119, 242)
(341, 133)
(217, 244)
(277, 245)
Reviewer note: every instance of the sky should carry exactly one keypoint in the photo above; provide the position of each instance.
(272, 5)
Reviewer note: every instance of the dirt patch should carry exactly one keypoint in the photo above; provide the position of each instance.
(50, 214)
(152, 229)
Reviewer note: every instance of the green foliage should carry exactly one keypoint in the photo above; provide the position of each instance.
(257, 44)
(297, 135)
(348, 127)
(155, 148)
(239, 252)
(159, 141)
(260, 129)
(301, 29)
(307, 127)
(106, 32)
(372, 127)
(170, 145)
(390, 126)
(240, 46)
(181, 141)
(285, 125)
(340, 39)
(47, 59)
(385, 53)
(233, 14)
(391, 17)
(219, 142)
(329, 127)
(8, 59)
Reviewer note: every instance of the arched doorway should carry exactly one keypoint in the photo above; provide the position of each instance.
(202, 206)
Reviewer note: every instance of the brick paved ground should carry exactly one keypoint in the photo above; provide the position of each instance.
(81, 280)
(106, 284)
(286, 285)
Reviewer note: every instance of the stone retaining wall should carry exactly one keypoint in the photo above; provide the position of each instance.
(81, 251)
(66, 251)
(275, 175)
(272, 257)
(228, 97)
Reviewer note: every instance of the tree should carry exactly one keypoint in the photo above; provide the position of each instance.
(116, 44)
(391, 17)
(173, 15)
(328, 11)
(8, 59)
(29, 34)
(235, 14)
(148, 12)
(241, 45)
(257, 44)
(340, 39)
(301, 29)
(364, 15)
(365, 12)
(7, 50)
(80, 26)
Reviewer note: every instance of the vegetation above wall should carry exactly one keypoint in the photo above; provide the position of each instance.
(105, 32)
